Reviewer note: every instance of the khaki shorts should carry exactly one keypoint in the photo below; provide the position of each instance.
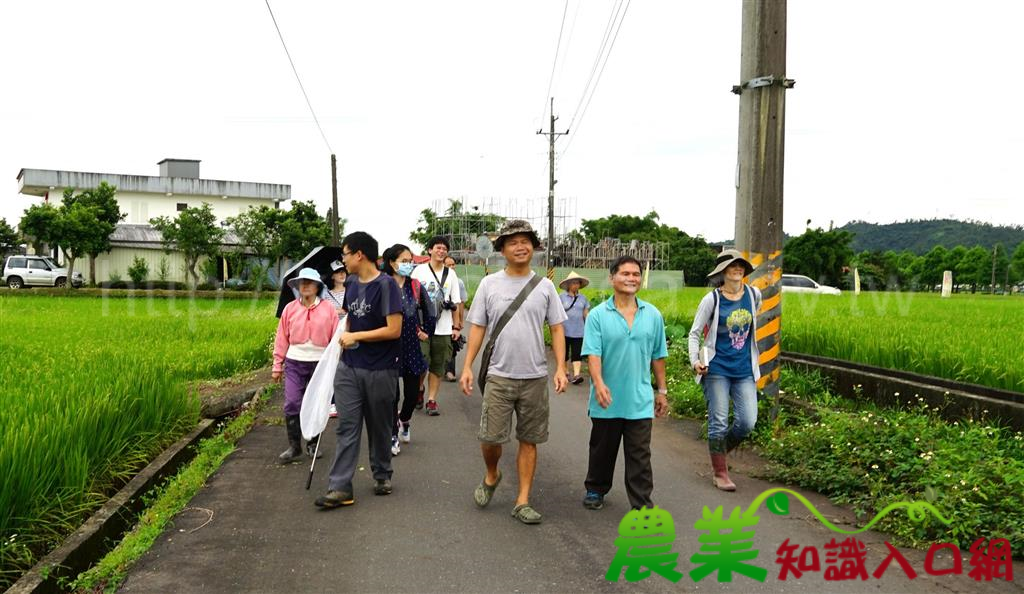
(527, 398)
(437, 351)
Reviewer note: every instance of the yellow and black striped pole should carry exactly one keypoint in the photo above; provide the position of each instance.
(766, 277)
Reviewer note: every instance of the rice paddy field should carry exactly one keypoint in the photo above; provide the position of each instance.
(91, 389)
(976, 339)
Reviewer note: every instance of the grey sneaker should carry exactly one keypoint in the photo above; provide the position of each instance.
(382, 487)
(335, 499)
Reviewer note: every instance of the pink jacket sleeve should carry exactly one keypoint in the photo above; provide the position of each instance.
(281, 339)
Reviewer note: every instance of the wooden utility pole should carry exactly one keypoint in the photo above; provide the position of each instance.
(551, 190)
(335, 240)
(995, 251)
(759, 168)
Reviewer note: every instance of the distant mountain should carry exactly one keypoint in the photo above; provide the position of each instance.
(921, 236)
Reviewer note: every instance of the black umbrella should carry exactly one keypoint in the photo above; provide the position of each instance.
(319, 259)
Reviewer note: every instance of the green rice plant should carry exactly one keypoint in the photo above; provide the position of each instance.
(92, 389)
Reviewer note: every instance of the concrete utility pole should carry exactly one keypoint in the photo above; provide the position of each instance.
(551, 190)
(759, 167)
(335, 240)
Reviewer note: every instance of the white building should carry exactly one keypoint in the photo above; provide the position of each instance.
(144, 197)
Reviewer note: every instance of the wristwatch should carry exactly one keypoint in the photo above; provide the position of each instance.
(663, 391)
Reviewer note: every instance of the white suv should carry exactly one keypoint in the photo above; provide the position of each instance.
(37, 271)
(797, 283)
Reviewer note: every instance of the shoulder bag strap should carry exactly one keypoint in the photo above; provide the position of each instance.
(513, 308)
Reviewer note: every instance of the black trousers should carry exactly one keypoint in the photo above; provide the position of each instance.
(410, 386)
(635, 436)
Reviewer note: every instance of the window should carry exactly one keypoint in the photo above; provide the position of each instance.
(182, 206)
(37, 265)
(16, 263)
(797, 281)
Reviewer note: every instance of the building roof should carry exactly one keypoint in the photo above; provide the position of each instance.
(37, 182)
(148, 238)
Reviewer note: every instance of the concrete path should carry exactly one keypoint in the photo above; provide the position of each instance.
(428, 536)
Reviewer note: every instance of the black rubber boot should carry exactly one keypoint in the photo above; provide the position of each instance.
(294, 451)
(311, 448)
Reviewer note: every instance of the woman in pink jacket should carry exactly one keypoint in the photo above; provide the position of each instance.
(306, 327)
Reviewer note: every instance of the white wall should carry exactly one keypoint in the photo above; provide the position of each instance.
(141, 207)
(120, 259)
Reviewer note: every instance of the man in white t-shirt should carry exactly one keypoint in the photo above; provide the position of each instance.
(442, 284)
(517, 368)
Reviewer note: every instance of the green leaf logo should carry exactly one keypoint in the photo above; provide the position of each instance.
(778, 504)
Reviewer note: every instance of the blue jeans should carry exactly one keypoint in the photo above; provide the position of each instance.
(718, 390)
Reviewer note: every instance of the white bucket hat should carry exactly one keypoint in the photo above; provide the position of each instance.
(728, 258)
(309, 274)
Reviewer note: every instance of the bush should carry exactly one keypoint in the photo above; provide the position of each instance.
(869, 457)
(138, 271)
(164, 270)
(115, 277)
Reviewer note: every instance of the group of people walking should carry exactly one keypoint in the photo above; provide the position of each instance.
(404, 322)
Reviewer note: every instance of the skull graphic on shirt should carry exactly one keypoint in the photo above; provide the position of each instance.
(738, 324)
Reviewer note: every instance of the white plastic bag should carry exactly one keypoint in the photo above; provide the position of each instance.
(316, 402)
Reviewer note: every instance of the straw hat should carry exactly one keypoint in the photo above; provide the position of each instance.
(727, 258)
(309, 274)
(584, 281)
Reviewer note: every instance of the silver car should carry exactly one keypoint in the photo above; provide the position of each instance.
(37, 271)
(798, 283)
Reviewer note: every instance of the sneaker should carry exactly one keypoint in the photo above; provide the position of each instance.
(593, 500)
(403, 433)
(382, 487)
(335, 499)
(432, 408)
(577, 380)
(419, 400)
(396, 449)
(334, 412)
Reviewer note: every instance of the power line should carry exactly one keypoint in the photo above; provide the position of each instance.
(554, 63)
(598, 81)
(597, 59)
(301, 87)
(568, 46)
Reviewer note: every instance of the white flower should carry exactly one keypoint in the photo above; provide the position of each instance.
(874, 467)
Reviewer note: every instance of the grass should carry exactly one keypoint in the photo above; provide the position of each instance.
(868, 457)
(92, 389)
(165, 503)
(967, 338)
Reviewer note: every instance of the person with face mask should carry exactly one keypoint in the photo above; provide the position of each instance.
(418, 320)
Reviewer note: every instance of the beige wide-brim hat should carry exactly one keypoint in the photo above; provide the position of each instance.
(728, 258)
(584, 281)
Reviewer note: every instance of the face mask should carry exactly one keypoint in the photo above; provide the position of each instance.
(406, 268)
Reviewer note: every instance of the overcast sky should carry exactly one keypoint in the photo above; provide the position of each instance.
(902, 109)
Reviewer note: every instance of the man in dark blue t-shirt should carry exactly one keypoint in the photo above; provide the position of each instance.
(367, 377)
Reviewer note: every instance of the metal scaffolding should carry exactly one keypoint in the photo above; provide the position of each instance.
(463, 221)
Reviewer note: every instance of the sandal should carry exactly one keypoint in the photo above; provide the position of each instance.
(526, 514)
(483, 492)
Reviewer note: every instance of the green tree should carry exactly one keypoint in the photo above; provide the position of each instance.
(78, 231)
(8, 239)
(259, 230)
(975, 267)
(302, 229)
(819, 254)
(934, 266)
(107, 212)
(38, 226)
(1017, 263)
(691, 254)
(953, 258)
(194, 232)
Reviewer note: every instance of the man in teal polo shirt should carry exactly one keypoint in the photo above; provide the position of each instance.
(624, 339)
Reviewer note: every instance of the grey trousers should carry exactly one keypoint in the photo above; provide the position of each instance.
(362, 394)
